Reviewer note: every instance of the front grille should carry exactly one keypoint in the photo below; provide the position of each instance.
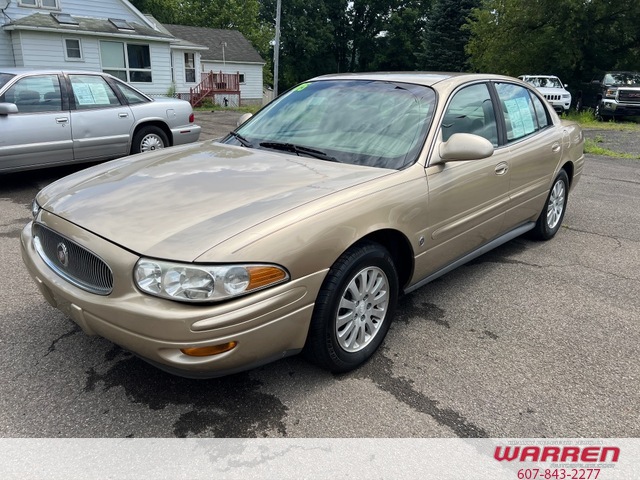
(72, 262)
(629, 96)
(552, 97)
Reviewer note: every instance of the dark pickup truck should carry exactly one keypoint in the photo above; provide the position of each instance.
(612, 94)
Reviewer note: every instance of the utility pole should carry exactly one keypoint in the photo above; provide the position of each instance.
(276, 50)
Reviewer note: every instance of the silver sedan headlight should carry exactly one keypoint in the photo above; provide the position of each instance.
(204, 283)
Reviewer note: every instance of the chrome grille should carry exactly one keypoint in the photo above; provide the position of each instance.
(72, 262)
(629, 96)
(548, 96)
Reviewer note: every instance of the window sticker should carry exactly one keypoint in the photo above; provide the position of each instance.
(301, 87)
(520, 117)
(83, 94)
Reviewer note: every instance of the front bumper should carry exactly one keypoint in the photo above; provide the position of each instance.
(267, 325)
(612, 107)
(185, 134)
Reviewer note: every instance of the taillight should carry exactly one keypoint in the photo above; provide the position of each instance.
(192, 118)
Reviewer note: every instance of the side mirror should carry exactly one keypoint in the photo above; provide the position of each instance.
(244, 118)
(464, 146)
(566, 85)
(7, 108)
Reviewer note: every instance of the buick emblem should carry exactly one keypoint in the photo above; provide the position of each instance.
(63, 254)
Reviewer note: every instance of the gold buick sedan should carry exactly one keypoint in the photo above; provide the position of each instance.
(298, 231)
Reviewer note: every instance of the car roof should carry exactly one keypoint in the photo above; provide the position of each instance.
(45, 71)
(420, 78)
(539, 76)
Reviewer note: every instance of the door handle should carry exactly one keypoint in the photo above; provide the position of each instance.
(502, 168)
(62, 120)
(555, 148)
(123, 115)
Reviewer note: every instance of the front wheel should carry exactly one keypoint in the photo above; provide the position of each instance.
(552, 214)
(148, 139)
(354, 308)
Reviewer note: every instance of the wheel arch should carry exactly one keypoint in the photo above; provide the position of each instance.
(569, 167)
(400, 249)
(154, 123)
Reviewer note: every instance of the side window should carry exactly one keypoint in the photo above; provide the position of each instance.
(130, 94)
(471, 111)
(39, 93)
(517, 108)
(541, 112)
(92, 91)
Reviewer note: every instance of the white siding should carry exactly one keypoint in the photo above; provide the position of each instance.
(82, 8)
(46, 50)
(6, 50)
(251, 89)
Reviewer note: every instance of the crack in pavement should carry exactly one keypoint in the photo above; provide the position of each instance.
(379, 370)
(610, 237)
(52, 348)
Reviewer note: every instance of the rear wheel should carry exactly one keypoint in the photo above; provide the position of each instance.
(354, 308)
(552, 214)
(148, 139)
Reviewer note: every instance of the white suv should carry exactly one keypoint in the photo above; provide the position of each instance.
(552, 89)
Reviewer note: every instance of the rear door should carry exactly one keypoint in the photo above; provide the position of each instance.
(536, 147)
(40, 133)
(102, 124)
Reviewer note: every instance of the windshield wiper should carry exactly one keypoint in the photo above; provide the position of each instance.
(298, 149)
(241, 139)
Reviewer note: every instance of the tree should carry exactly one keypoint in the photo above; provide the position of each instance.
(241, 15)
(444, 38)
(400, 47)
(570, 38)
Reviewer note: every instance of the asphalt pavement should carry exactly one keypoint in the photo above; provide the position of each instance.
(530, 340)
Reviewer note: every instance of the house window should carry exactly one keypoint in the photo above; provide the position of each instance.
(72, 49)
(127, 61)
(189, 68)
(50, 4)
(241, 77)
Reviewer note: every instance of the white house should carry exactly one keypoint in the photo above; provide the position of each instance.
(228, 52)
(104, 35)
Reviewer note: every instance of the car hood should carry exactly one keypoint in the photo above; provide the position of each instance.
(552, 91)
(180, 202)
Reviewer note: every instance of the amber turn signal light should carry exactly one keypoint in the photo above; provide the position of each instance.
(263, 276)
(210, 350)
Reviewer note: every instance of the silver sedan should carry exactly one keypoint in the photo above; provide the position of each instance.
(53, 117)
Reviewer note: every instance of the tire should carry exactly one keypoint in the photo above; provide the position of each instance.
(579, 105)
(598, 113)
(354, 308)
(552, 214)
(148, 139)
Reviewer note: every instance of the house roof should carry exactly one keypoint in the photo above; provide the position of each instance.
(237, 48)
(86, 25)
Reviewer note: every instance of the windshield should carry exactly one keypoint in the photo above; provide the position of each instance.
(4, 78)
(631, 79)
(373, 123)
(545, 82)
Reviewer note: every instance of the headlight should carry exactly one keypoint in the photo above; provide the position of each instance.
(35, 208)
(204, 283)
(611, 93)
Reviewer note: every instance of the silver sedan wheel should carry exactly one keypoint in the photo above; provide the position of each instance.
(151, 142)
(555, 207)
(362, 309)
